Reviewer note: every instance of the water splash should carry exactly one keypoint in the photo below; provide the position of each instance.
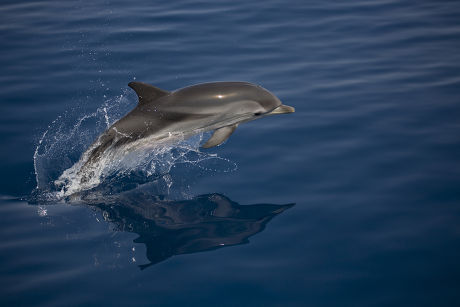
(62, 151)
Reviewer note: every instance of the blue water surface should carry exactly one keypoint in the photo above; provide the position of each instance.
(353, 200)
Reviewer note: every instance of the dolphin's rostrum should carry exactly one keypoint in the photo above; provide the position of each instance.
(160, 114)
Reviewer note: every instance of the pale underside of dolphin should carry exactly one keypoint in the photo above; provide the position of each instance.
(218, 106)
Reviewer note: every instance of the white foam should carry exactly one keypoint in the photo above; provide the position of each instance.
(64, 149)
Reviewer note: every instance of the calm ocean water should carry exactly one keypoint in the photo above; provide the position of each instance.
(354, 200)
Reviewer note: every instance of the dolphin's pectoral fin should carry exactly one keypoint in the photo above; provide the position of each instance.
(219, 136)
(147, 92)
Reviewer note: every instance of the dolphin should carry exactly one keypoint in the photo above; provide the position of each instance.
(215, 106)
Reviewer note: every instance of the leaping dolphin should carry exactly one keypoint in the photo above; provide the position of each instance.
(218, 106)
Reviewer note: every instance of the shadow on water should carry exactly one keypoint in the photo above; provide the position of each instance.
(175, 227)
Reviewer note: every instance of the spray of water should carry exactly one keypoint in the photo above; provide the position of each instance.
(64, 148)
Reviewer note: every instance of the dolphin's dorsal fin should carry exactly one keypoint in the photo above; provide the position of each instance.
(147, 92)
(219, 136)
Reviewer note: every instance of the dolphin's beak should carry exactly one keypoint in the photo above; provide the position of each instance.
(282, 109)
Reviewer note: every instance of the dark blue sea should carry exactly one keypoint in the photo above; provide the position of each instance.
(353, 200)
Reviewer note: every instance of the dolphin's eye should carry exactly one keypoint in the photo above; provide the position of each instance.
(258, 113)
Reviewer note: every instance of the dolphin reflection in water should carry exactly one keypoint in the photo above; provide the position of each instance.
(203, 223)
